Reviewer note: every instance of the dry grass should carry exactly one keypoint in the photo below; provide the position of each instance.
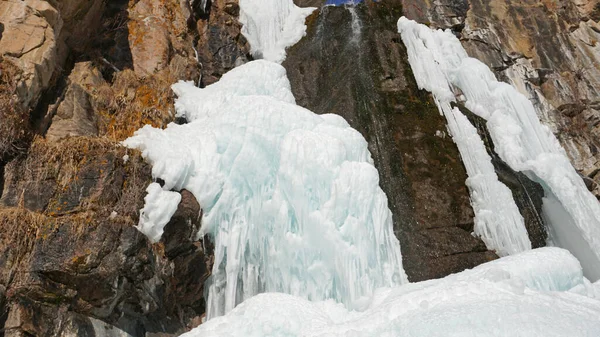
(63, 159)
(132, 102)
(14, 121)
(120, 186)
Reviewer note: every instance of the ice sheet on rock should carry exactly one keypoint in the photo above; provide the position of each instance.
(498, 221)
(159, 207)
(270, 26)
(442, 66)
(290, 198)
(527, 294)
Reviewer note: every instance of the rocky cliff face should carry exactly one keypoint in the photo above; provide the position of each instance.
(549, 50)
(77, 77)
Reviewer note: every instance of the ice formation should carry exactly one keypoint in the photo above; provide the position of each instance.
(442, 66)
(159, 207)
(291, 198)
(527, 294)
(270, 26)
(498, 221)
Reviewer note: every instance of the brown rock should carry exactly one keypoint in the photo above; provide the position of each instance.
(149, 37)
(30, 41)
(75, 114)
(79, 255)
(221, 46)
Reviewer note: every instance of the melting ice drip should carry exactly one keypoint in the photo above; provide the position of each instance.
(442, 66)
(290, 198)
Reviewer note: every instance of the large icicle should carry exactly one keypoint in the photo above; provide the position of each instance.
(291, 198)
(498, 221)
(271, 26)
(441, 65)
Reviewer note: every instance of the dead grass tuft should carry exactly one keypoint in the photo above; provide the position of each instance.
(14, 120)
(131, 102)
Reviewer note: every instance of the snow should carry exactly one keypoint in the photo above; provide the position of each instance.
(527, 294)
(291, 199)
(159, 207)
(271, 26)
(442, 66)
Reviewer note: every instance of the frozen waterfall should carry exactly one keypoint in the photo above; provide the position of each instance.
(442, 66)
(271, 26)
(291, 199)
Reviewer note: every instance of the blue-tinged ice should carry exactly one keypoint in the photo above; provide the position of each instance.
(290, 198)
(442, 66)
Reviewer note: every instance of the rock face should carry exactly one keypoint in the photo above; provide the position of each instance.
(79, 76)
(220, 45)
(35, 38)
(548, 49)
(76, 78)
(75, 115)
(68, 244)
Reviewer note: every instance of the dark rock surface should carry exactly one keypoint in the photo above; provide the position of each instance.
(68, 244)
(364, 76)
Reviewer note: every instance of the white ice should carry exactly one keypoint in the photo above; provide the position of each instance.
(159, 207)
(290, 198)
(498, 221)
(271, 26)
(442, 66)
(537, 293)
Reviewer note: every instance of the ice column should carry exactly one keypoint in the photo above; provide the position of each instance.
(498, 221)
(271, 26)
